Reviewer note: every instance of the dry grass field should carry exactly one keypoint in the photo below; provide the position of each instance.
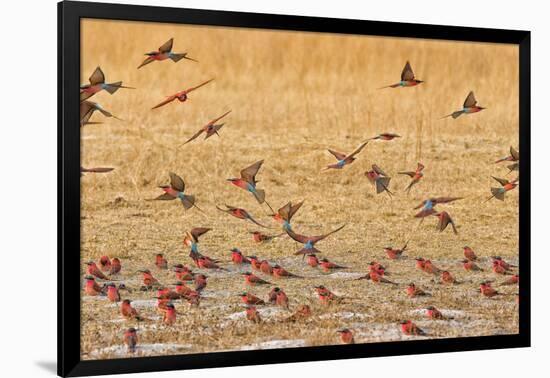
(292, 96)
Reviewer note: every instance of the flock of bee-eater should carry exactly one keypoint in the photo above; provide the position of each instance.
(191, 284)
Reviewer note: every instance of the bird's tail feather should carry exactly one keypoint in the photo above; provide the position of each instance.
(497, 193)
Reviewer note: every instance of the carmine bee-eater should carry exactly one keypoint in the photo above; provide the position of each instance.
(420, 263)
(272, 296)
(91, 287)
(326, 299)
(130, 339)
(470, 266)
(169, 314)
(378, 268)
(469, 254)
(116, 266)
(191, 240)
(344, 159)
(265, 267)
(164, 52)
(503, 263)
(182, 289)
(259, 237)
(447, 278)
(175, 190)
(302, 312)
(436, 200)
(210, 129)
(281, 300)
(252, 314)
(414, 291)
(415, 176)
(250, 299)
(193, 299)
(385, 136)
(434, 314)
(97, 84)
(409, 328)
(238, 258)
(280, 272)
(128, 312)
(444, 220)
(312, 260)
(255, 262)
(380, 179)
(200, 282)
(183, 273)
(395, 253)
(253, 280)
(240, 214)
(499, 269)
(321, 289)
(112, 293)
(513, 157)
(180, 96)
(105, 263)
(430, 268)
(407, 78)
(513, 280)
(204, 262)
(329, 266)
(95, 170)
(248, 182)
(346, 336)
(376, 277)
(160, 261)
(487, 290)
(469, 107)
(93, 270)
(310, 241)
(87, 108)
(499, 193)
(148, 279)
(284, 214)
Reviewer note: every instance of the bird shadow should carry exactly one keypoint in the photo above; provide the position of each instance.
(50, 366)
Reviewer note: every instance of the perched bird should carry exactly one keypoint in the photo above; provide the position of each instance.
(250, 299)
(266, 268)
(487, 290)
(95, 170)
(183, 290)
(240, 214)
(395, 253)
(128, 312)
(181, 96)
(385, 136)
(469, 254)
(346, 336)
(499, 269)
(160, 261)
(105, 263)
(130, 339)
(503, 263)
(513, 280)
(409, 328)
(200, 282)
(175, 190)
(434, 314)
(253, 280)
(169, 315)
(302, 312)
(344, 159)
(284, 214)
(210, 129)
(380, 179)
(281, 299)
(252, 314)
(499, 193)
(204, 262)
(164, 52)
(322, 290)
(414, 291)
(376, 277)
(407, 78)
(329, 266)
(97, 84)
(87, 108)
(183, 273)
(312, 260)
(255, 263)
(444, 220)
(272, 295)
(247, 181)
(112, 293)
(280, 272)
(148, 279)
(259, 237)
(310, 241)
(416, 176)
(447, 278)
(116, 266)
(469, 107)
(93, 270)
(420, 263)
(430, 268)
(91, 287)
(238, 258)
(470, 266)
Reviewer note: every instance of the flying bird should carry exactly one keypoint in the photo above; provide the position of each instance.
(386, 136)
(444, 220)
(94, 170)
(247, 181)
(344, 159)
(310, 241)
(514, 156)
(175, 190)
(87, 108)
(436, 200)
(285, 214)
(164, 52)
(468, 107)
(181, 96)
(240, 213)
(380, 179)
(414, 175)
(97, 84)
(210, 129)
(499, 193)
(407, 78)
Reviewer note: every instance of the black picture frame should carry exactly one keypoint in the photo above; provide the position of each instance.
(69, 15)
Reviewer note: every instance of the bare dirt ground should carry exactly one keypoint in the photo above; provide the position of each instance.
(292, 96)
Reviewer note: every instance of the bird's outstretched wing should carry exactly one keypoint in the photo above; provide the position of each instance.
(378, 170)
(408, 173)
(357, 150)
(470, 100)
(407, 73)
(249, 173)
(315, 239)
(176, 182)
(337, 155)
(198, 231)
(514, 153)
(167, 47)
(97, 77)
(195, 136)
(168, 100)
(198, 86)
(501, 181)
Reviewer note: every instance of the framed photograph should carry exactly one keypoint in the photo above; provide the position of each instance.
(239, 188)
